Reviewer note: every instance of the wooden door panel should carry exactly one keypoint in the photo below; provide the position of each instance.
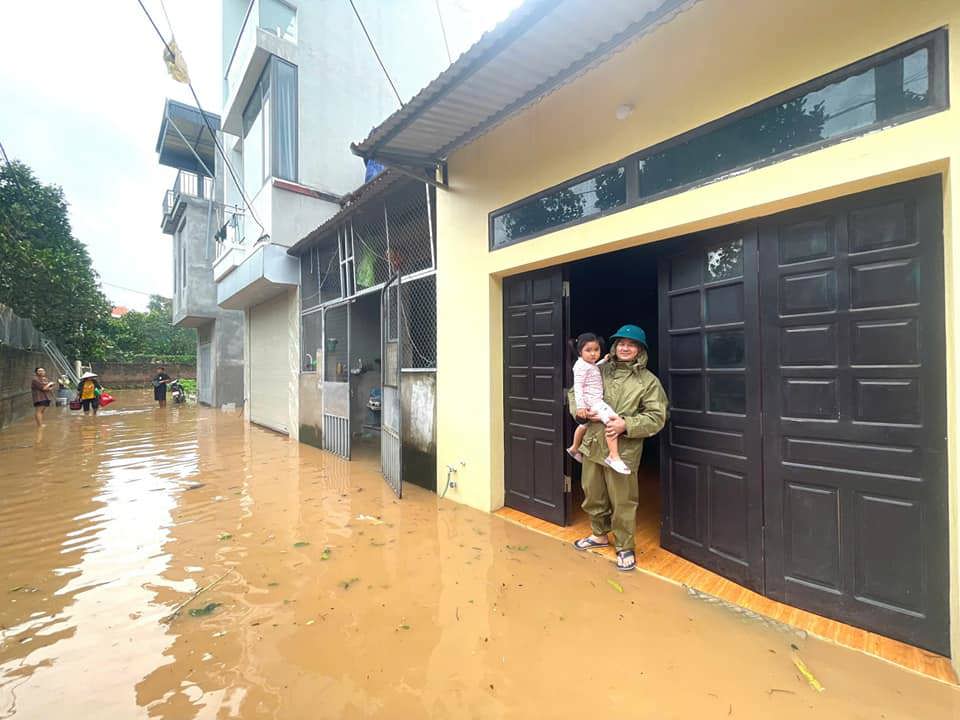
(711, 475)
(533, 394)
(854, 400)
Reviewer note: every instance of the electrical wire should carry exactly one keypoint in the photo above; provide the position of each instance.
(121, 287)
(374, 48)
(443, 31)
(210, 129)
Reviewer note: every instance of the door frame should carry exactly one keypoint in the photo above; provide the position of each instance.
(336, 437)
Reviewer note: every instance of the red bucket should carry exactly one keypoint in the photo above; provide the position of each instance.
(105, 399)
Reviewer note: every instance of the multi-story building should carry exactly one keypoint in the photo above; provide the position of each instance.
(300, 83)
(190, 215)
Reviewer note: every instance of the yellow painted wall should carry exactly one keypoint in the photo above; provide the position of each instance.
(711, 60)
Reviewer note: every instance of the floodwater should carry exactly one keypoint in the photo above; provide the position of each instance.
(331, 599)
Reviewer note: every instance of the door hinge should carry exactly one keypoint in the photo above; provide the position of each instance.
(567, 484)
(566, 288)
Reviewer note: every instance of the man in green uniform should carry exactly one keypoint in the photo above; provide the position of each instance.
(636, 395)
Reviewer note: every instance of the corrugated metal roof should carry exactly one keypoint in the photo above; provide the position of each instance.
(351, 204)
(186, 120)
(539, 47)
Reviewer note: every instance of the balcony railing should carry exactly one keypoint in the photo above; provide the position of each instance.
(187, 184)
(273, 16)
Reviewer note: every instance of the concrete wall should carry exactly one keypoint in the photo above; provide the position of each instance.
(418, 429)
(195, 302)
(16, 372)
(136, 375)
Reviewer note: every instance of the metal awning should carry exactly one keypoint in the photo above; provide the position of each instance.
(183, 128)
(539, 47)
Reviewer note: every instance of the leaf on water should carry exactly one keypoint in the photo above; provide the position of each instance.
(205, 610)
(310, 622)
(521, 548)
(220, 634)
(224, 536)
(404, 627)
(376, 544)
(301, 543)
(325, 555)
(345, 584)
(615, 585)
(272, 584)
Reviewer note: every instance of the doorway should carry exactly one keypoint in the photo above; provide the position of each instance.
(804, 358)
(364, 370)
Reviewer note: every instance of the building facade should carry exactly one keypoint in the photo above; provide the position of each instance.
(300, 82)
(190, 213)
(770, 193)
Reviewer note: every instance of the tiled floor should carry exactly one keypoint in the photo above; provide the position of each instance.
(654, 559)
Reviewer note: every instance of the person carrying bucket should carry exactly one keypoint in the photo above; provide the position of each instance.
(641, 406)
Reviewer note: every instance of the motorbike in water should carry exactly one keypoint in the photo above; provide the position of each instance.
(177, 393)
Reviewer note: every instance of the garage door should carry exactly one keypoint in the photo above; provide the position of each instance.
(829, 424)
(269, 364)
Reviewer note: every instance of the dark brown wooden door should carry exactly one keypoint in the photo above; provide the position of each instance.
(711, 478)
(533, 331)
(855, 411)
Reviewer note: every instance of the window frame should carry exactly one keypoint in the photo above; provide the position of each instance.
(267, 114)
(937, 41)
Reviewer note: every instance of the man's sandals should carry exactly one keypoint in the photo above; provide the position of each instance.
(626, 559)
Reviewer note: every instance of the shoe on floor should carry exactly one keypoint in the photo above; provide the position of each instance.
(618, 465)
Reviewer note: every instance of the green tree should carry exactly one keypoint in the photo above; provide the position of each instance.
(45, 273)
(150, 333)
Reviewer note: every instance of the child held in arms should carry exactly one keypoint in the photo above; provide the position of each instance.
(588, 392)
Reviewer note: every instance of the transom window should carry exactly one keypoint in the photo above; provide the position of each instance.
(897, 85)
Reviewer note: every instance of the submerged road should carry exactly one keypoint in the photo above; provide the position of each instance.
(325, 597)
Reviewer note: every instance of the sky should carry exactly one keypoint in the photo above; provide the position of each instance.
(81, 103)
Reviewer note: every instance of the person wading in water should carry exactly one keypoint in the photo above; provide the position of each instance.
(635, 394)
(40, 387)
(160, 382)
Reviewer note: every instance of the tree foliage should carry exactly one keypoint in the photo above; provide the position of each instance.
(46, 274)
(150, 333)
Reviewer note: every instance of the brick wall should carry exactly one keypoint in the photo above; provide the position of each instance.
(115, 375)
(16, 372)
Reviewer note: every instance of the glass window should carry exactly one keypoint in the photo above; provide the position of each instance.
(728, 393)
(725, 261)
(310, 337)
(725, 349)
(270, 127)
(876, 95)
(279, 18)
(586, 198)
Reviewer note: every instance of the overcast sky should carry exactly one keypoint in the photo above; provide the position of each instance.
(82, 87)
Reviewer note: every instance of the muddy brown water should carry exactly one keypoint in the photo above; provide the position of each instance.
(341, 602)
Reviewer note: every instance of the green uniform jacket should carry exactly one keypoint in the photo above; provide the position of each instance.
(637, 396)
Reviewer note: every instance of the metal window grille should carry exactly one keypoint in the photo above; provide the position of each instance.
(335, 329)
(328, 271)
(311, 339)
(408, 224)
(369, 233)
(419, 322)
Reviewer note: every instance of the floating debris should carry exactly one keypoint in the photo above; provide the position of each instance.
(615, 585)
(224, 536)
(808, 676)
(345, 584)
(521, 548)
(205, 610)
(301, 543)
(370, 519)
(325, 555)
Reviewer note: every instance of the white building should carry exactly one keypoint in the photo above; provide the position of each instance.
(301, 81)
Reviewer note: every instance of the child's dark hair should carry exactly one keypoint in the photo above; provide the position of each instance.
(576, 346)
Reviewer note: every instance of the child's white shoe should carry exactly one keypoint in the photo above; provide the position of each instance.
(618, 465)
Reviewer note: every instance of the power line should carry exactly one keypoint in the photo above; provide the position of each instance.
(374, 48)
(443, 31)
(121, 287)
(206, 122)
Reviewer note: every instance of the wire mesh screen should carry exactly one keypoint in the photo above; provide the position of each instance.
(408, 221)
(328, 270)
(335, 344)
(419, 322)
(311, 339)
(309, 286)
(370, 248)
